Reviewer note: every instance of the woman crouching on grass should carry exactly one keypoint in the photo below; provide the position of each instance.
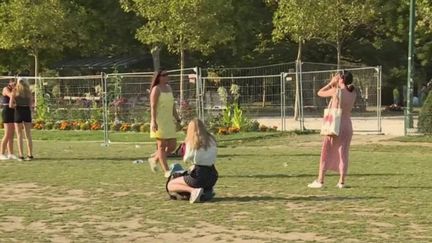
(201, 151)
(21, 100)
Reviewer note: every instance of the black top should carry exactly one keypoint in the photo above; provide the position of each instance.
(5, 98)
(22, 101)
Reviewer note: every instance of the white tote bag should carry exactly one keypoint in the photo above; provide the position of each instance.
(332, 118)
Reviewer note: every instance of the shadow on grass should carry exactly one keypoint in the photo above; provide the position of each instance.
(261, 176)
(398, 187)
(269, 155)
(297, 198)
(87, 159)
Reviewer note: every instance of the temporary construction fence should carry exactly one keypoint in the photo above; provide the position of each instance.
(65, 98)
(282, 95)
(285, 95)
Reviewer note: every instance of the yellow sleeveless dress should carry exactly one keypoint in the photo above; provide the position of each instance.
(164, 117)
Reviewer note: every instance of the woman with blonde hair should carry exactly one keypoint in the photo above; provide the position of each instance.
(163, 118)
(201, 150)
(21, 100)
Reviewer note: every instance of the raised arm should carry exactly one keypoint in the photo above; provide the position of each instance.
(6, 92)
(330, 89)
(154, 96)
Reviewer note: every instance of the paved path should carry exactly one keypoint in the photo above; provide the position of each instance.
(390, 125)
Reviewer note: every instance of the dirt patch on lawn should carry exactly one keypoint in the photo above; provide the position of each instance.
(138, 229)
(20, 191)
(128, 231)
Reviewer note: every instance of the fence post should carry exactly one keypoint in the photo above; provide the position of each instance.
(202, 93)
(301, 99)
(282, 94)
(198, 93)
(104, 78)
(379, 84)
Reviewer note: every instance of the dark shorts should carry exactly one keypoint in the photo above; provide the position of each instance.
(22, 114)
(202, 177)
(8, 115)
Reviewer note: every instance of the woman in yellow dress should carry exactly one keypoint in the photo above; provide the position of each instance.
(163, 118)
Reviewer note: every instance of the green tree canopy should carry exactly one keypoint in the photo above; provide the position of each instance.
(329, 21)
(34, 25)
(183, 25)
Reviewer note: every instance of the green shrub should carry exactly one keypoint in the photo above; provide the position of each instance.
(136, 127)
(252, 126)
(49, 125)
(145, 127)
(115, 126)
(425, 116)
(85, 126)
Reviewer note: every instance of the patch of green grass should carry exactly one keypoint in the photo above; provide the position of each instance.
(135, 137)
(415, 139)
(85, 192)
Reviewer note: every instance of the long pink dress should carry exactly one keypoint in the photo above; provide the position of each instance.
(335, 150)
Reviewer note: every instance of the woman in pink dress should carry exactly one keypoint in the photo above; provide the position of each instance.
(335, 149)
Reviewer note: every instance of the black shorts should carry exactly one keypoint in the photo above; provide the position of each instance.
(202, 177)
(22, 114)
(8, 115)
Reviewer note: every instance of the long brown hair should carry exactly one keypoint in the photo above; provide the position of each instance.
(347, 78)
(156, 78)
(197, 136)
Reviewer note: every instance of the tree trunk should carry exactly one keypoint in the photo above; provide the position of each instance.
(314, 92)
(155, 51)
(36, 64)
(339, 50)
(297, 84)
(36, 73)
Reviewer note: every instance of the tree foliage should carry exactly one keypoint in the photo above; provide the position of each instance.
(425, 116)
(34, 25)
(329, 21)
(183, 24)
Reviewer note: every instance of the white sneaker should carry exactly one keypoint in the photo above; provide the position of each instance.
(12, 156)
(3, 157)
(316, 184)
(340, 185)
(196, 195)
(167, 174)
(152, 164)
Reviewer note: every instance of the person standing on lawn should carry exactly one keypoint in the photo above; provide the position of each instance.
(21, 101)
(8, 116)
(163, 120)
(335, 149)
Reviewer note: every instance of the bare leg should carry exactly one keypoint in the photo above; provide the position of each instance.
(162, 155)
(27, 130)
(19, 132)
(171, 145)
(179, 185)
(321, 174)
(10, 143)
(7, 140)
